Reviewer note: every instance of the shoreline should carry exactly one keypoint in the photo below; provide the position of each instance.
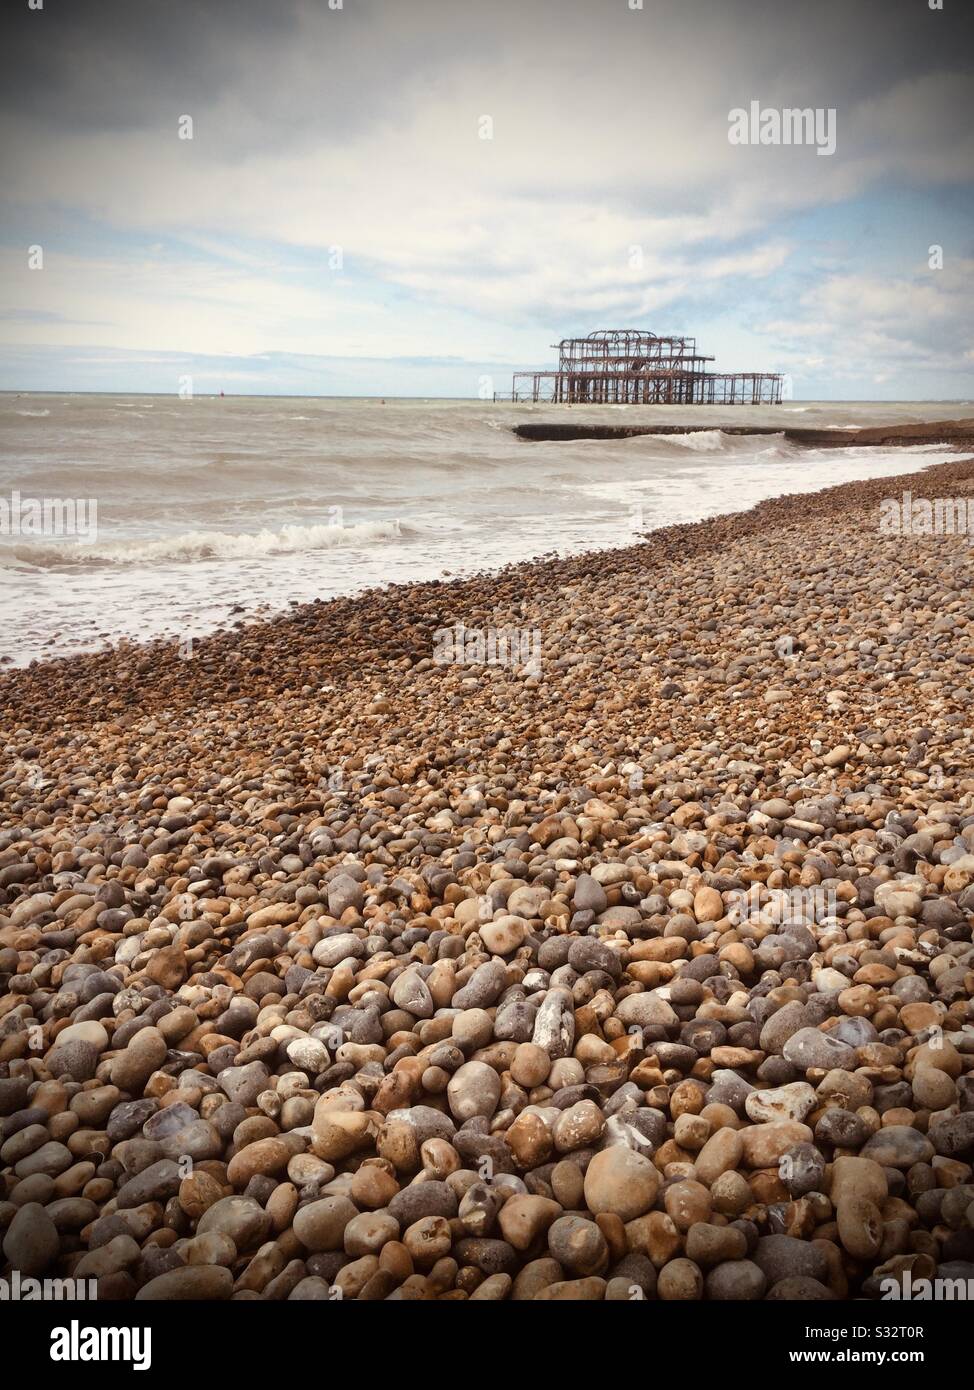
(371, 594)
(645, 973)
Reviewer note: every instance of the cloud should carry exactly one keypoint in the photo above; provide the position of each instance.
(915, 328)
(608, 191)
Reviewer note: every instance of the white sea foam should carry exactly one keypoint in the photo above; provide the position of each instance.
(703, 441)
(207, 545)
(211, 509)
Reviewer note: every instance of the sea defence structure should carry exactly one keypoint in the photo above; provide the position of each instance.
(628, 366)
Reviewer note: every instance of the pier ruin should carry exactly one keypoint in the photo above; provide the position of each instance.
(628, 366)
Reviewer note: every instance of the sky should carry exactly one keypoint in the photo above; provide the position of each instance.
(418, 197)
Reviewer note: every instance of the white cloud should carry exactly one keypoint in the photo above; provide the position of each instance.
(912, 327)
(360, 129)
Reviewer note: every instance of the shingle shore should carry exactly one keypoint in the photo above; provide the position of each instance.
(330, 971)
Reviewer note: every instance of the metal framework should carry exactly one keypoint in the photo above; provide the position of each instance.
(630, 367)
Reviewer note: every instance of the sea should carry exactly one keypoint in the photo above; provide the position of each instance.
(135, 518)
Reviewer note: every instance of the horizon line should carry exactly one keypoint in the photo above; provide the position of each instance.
(476, 400)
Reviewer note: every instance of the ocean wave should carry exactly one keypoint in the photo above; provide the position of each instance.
(701, 441)
(718, 441)
(190, 546)
(33, 414)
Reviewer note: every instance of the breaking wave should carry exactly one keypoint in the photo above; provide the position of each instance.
(190, 546)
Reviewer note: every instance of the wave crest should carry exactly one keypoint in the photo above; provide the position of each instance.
(191, 546)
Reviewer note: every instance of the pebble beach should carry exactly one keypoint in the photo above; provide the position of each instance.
(641, 970)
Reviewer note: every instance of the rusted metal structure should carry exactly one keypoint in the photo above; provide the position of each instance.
(628, 366)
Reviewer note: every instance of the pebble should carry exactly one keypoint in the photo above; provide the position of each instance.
(131, 1069)
(504, 935)
(241, 1218)
(791, 1102)
(860, 1225)
(31, 1242)
(620, 1182)
(738, 1280)
(898, 1146)
(523, 1219)
(578, 1245)
(785, 1257)
(680, 1281)
(204, 1282)
(589, 895)
(765, 1144)
(810, 1047)
(473, 1089)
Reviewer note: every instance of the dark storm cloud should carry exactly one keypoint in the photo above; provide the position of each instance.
(118, 63)
(99, 62)
(129, 64)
